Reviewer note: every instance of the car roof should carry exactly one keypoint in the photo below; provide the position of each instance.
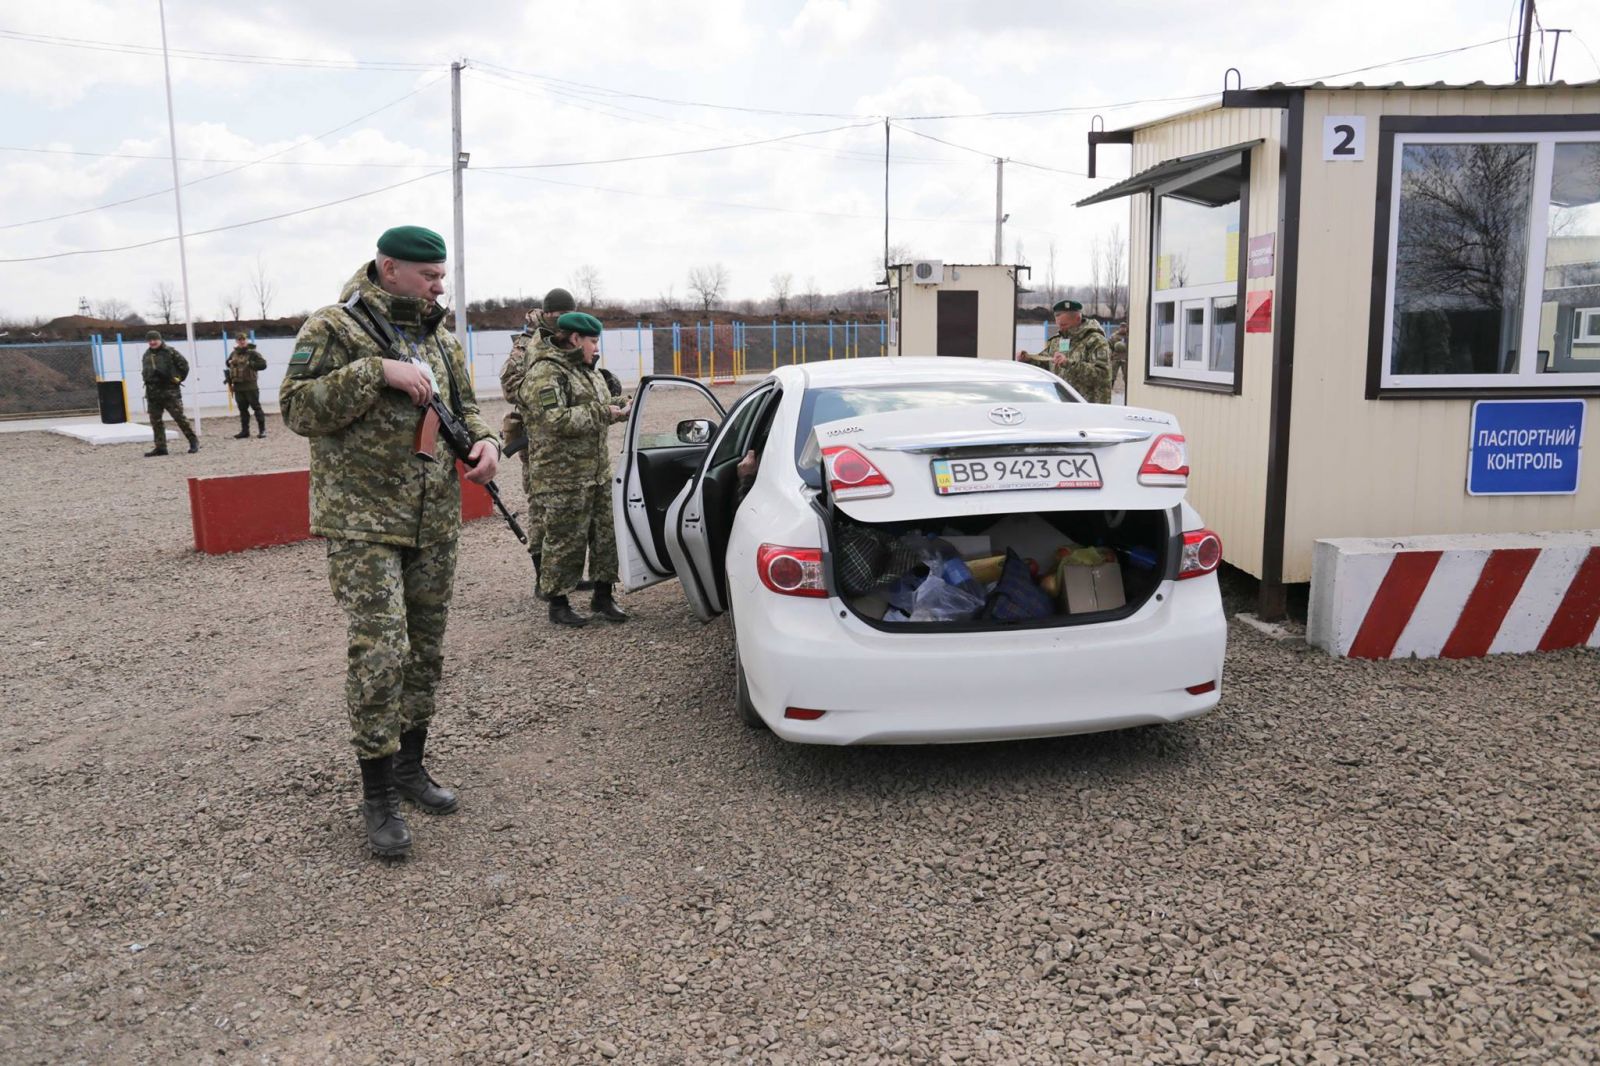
(889, 370)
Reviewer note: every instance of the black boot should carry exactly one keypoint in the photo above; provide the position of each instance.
(603, 604)
(157, 450)
(387, 834)
(415, 783)
(562, 614)
(244, 426)
(261, 426)
(587, 586)
(538, 595)
(194, 445)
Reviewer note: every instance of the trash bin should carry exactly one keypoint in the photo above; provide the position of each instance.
(113, 402)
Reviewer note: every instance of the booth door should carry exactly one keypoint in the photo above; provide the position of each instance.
(958, 324)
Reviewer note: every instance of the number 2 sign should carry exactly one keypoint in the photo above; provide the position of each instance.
(1344, 138)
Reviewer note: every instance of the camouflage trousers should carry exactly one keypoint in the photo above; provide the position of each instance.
(172, 404)
(396, 601)
(248, 397)
(576, 522)
(535, 524)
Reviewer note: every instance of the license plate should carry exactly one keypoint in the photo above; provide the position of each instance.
(1009, 473)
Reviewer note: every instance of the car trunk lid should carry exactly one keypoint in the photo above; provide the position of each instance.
(1007, 459)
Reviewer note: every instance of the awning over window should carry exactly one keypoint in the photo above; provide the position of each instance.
(1162, 173)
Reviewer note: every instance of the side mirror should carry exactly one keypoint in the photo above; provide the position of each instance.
(696, 430)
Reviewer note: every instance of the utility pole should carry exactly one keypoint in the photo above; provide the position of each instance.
(888, 292)
(177, 196)
(1526, 41)
(457, 165)
(999, 203)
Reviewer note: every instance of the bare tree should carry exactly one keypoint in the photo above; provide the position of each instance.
(811, 299)
(164, 299)
(112, 309)
(1096, 274)
(667, 300)
(233, 304)
(586, 280)
(1050, 296)
(708, 283)
(782, 286)
(263, 287)
(1116, 272)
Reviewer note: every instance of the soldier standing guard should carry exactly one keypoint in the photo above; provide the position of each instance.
(1077, 352)
(392, 518)
(567, 407)
(540, 324)
(164, 371)
(244, 363)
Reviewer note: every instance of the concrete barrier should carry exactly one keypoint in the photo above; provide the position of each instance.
(244, 511)
(1455, 597)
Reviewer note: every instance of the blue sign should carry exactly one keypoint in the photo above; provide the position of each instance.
(1525, 447)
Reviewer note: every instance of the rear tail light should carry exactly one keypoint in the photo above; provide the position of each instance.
(851, 475)
(791, 571)
(1202, 553)
(803, 714)
(1202, 688)
(1166, 464)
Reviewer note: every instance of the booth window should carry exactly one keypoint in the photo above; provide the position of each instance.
(1493, 261)
(1195, 283)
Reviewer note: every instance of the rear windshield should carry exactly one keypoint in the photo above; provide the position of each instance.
(830, 405)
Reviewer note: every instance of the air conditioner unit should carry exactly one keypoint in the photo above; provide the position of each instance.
(927, 271)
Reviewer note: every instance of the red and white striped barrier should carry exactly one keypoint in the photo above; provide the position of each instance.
(1456, 597)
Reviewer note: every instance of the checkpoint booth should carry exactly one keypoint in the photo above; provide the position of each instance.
(1376, 312)
(954, 309)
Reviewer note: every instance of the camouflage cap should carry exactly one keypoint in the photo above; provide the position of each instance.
(579, 323)
(1067, 305)
(559, 300)
(414, 244)
(153, 335)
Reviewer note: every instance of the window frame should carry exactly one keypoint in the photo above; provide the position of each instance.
(1199, 377)
(1541, 131)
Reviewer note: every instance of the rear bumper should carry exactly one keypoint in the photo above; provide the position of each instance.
(913, 688)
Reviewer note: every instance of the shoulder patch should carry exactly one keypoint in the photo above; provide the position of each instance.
(549, 397)
(301, 355)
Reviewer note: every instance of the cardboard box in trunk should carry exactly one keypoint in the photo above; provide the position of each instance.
(1091, 588)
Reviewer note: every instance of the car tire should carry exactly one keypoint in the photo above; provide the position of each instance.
(741, 688)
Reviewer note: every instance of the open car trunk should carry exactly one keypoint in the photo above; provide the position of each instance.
(966, 572)
(977, 517)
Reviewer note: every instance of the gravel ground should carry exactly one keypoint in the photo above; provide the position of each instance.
(1347, 862)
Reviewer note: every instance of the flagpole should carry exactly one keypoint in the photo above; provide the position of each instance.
(177, 196)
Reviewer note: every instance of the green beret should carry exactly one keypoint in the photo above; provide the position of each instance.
(1067, 305)
(153, 335)
(579, 323)
(559, 300)
(414, 244)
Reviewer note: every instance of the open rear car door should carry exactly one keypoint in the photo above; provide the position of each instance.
(670, 430)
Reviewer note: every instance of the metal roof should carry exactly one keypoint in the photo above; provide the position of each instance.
(1392, 86)
(1166, 171)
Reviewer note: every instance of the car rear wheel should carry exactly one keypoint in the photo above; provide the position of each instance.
(741, 688)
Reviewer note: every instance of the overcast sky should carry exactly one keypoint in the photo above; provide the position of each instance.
(583, 82)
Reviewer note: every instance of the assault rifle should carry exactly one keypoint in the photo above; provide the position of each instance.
(437, 418)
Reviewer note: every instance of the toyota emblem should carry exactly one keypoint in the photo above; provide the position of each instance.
(1005, 416)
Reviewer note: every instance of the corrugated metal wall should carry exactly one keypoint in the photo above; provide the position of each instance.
(1227, 434)
(1381, 468)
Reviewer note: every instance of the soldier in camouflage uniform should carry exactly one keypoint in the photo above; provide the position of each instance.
(568, 409)
(540, 324)
(391, 518)
(1077, 352)
(244, 363)
(1119, 362)
(164, 370)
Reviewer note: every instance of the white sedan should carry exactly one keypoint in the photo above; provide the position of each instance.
(877, 474)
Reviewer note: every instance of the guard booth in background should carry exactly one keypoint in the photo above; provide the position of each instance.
(1376, 312)
(954, 309)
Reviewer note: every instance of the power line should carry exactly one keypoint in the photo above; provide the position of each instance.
(212, 57)
(681, 152)
(223, 173)
(992, 155)
(193, 159)
(231, 225)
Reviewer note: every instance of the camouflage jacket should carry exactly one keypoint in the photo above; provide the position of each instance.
(511, 375)
(366, 483)
(243, 366)
(164, 369)
(1089, 359)
(565, 405)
